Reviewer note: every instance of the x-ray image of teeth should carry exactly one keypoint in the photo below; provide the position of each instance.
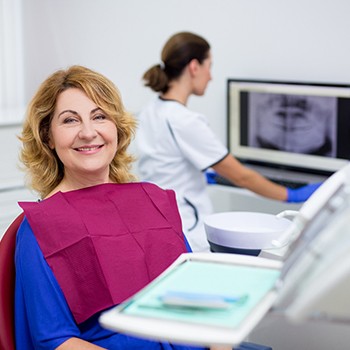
(293, 123)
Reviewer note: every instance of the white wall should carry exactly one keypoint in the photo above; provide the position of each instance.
(12, 187)
(287, 40)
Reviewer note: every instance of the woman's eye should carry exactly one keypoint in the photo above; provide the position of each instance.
(69, 120)
(100, 117)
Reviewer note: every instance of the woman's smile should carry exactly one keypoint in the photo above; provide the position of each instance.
(88, 149)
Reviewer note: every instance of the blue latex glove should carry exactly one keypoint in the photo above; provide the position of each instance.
(301, 194)
(211, 176)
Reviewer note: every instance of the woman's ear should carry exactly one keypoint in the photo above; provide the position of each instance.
(50, 143)
(193, 66)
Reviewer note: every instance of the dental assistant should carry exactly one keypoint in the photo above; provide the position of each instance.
(176, 145)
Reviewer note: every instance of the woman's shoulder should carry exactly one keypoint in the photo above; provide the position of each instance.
(27, 248)
(24, 233)
(178, 114)
(150, 186)
(171, 111)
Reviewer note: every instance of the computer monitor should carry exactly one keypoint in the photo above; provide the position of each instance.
(291, 125)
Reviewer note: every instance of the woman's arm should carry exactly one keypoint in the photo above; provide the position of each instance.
(42, 314)
(233, 170)
(77, 344)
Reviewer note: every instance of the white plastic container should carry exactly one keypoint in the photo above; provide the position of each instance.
(250, 231)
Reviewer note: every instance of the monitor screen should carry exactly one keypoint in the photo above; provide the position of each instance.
(301, 126)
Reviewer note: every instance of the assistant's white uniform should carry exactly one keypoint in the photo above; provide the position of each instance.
(175, 146)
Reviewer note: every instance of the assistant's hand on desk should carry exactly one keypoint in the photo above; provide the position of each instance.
(211, 177)
(294, 195)
(301, 194)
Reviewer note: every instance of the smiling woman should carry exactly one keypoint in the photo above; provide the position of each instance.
(93, 228)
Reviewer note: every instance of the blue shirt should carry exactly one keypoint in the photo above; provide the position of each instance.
(43, 319)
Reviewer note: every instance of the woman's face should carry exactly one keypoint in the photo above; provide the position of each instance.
(203, 76)
(83, 136)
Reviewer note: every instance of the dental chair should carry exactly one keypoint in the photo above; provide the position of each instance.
(7, 285)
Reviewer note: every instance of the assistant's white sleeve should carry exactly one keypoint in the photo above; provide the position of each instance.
(197, 141)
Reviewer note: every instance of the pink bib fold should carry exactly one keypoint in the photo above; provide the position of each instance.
(105, 243)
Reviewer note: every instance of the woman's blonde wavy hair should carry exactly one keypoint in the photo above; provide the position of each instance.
(44, 169)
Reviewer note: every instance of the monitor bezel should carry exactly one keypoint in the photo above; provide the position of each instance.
(250, 160)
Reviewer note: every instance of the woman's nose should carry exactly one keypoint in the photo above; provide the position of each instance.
(87, 130)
